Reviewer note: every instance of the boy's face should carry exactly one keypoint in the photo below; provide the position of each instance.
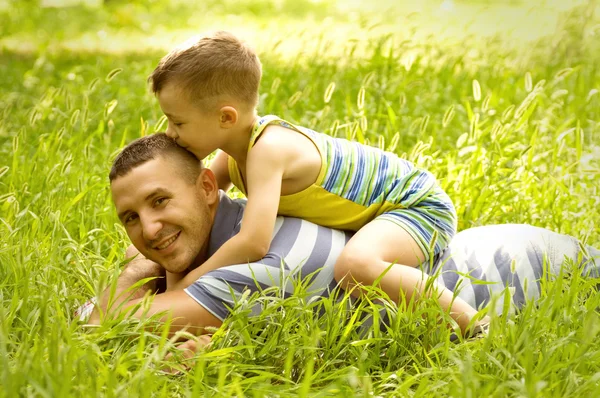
(195, 130)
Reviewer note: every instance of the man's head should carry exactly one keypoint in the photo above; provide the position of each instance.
(165, 200)
(201, 83)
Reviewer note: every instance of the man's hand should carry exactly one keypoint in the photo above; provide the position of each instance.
(188, 351)
(139, 268)
(175, 307)
(132, 251)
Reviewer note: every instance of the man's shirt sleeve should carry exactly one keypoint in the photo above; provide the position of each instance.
(299, 250)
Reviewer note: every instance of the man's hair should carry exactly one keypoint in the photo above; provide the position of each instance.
(214, 66)
(151, 147)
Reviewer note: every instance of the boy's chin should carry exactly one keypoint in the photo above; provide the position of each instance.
(198, 154)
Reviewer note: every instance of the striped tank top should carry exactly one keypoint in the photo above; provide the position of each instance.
(356, 183)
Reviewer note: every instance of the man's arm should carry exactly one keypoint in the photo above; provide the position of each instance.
(208, 300)
(183, 311)
(139, 268)
(180, 309)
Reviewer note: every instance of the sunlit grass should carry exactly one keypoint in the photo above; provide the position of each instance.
(513, 134)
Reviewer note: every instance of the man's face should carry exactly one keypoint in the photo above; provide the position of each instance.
(189, 126)
(167, 217)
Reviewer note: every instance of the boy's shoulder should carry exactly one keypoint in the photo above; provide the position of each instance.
(273, 137)
(272, 130)
(270, 121)
(276, 138)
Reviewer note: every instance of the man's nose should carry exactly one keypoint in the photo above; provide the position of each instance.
(151, 227)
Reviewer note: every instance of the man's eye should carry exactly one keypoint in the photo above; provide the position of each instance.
(177, 124)
(130, 218)
(160, 201)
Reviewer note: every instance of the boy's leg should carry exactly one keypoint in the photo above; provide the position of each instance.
(377, 245)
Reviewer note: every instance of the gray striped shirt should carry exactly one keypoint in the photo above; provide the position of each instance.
(511, 256)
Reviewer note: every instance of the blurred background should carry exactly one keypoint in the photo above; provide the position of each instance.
(492, 96)
(114, 26)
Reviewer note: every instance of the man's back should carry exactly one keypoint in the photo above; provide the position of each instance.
(510, 255)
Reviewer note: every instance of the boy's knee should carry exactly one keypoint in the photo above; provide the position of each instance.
(350, 266)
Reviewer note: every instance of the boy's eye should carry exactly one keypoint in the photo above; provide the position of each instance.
(177, 124)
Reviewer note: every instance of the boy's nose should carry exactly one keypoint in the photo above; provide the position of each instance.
(170, 132)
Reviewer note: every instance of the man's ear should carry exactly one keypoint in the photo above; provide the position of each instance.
(228, 117)
(207, 184)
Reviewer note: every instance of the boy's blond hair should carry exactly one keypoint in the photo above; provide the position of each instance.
(216, 66)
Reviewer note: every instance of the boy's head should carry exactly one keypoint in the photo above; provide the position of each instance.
(195, 81)
(215, 66)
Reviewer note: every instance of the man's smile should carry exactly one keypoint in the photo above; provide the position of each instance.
(166, 243)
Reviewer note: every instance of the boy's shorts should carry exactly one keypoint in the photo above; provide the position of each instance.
(435, 213)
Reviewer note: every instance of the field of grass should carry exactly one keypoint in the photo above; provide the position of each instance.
(505, 112)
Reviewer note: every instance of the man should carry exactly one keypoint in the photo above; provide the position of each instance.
(176, 217)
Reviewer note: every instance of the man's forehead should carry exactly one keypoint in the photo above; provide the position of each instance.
(145, 169)
(142, 180)
(142, 189)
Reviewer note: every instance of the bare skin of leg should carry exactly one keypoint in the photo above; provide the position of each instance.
(371, 251)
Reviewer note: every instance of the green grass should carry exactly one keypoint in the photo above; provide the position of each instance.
(511, 127)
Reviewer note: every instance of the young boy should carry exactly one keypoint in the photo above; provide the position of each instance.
(209, 92)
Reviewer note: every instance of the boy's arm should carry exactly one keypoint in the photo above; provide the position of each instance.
(264, 172)
(219, 166)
